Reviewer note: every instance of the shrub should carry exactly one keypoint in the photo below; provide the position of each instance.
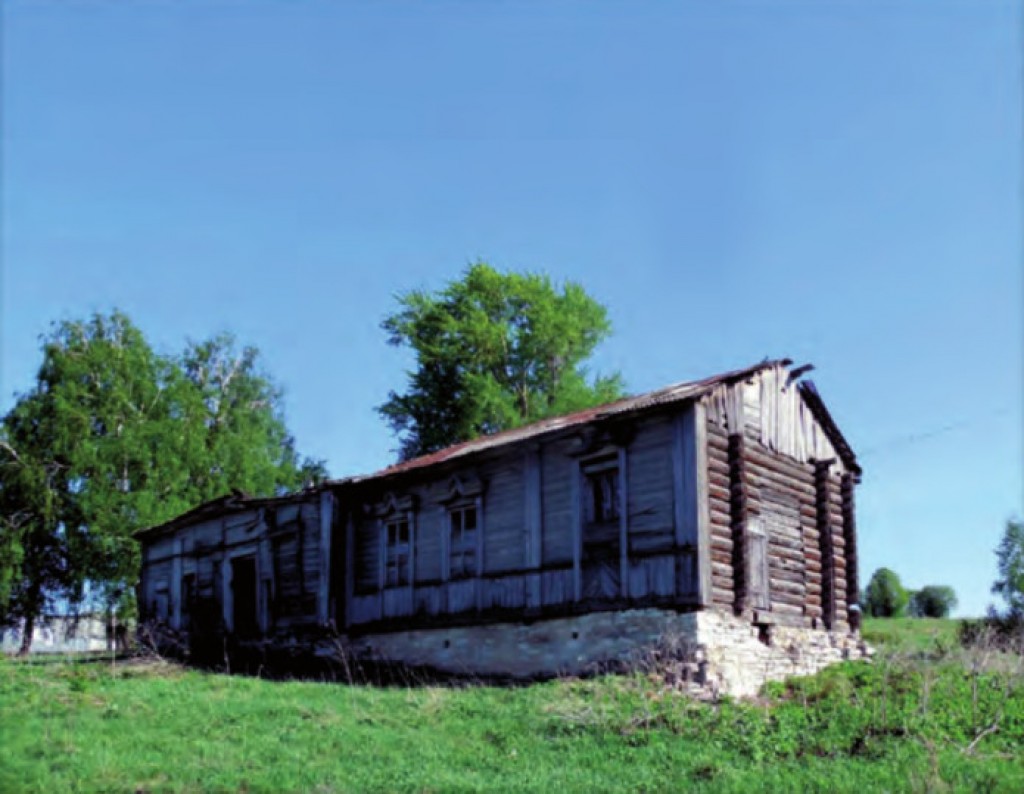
(933, 601)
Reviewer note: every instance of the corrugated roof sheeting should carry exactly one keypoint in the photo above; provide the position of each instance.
(680, 392)
(677, 393)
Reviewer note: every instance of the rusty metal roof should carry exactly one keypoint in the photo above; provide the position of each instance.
(677, 393)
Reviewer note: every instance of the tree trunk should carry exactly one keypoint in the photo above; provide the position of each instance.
(26, 635)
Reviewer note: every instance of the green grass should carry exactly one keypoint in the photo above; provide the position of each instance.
(911, 634)
(895, 725)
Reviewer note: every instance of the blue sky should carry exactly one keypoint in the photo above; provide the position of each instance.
(838, 183)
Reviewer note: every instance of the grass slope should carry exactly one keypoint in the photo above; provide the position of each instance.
(896, 725)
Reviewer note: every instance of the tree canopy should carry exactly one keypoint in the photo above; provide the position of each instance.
(885, 596)
(1010, 566)
(114, 437)
(494, 351)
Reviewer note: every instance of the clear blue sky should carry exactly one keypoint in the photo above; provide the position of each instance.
(838, 183)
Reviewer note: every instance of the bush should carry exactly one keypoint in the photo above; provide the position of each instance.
(1004, 630)
(933, 601)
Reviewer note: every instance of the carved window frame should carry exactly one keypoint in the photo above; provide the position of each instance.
(392, 513)
(462, 493)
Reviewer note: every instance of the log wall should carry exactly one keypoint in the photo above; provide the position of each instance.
(805, 507)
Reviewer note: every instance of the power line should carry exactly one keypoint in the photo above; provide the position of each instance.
(912, 438)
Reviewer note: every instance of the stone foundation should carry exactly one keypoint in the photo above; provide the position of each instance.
(709, 652)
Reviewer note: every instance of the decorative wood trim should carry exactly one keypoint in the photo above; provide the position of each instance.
(391, 503)
(463, 485)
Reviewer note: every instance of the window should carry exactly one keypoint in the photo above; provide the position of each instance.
(602, 484)
(462, 523)
(398, 553)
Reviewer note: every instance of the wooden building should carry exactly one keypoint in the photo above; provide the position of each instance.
(719, 511)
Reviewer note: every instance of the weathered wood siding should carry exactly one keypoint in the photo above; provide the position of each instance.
(650, 490)
(771, 465)
(532, 529)
(504, 520)
(558, 468)
(284, 539)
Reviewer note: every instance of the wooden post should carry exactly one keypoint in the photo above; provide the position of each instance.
(350, 565)
(534, 518)
(850, 536)
(739, 509)
(623, 525)
(692, 516)
(265, 580)
(177, 551)
(576, 527)
(323, 593)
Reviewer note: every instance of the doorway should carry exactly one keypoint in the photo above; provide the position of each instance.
(244, 595)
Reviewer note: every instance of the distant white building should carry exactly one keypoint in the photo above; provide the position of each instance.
(60, 634)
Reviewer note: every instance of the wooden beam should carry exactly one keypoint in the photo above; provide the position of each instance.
(576, 527)
(623, 524)
(826, 546)
(702, 503)
(350, 566)
(176, 582)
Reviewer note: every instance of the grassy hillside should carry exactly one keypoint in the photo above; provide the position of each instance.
(905, 723)
(934, 636)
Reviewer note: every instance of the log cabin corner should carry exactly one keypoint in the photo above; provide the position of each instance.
(717, 515)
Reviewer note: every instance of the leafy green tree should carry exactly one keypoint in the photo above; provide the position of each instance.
(33, 549)
(1010, 566)
(885, 596)
(114, 437)
(493, 351)
(932, 601)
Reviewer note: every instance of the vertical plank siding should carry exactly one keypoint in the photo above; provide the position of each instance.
(699, 483)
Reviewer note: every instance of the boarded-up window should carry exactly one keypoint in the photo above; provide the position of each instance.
(397, 553)
(602, 486)
(601, 532)
(758, 545)
(463, 526)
